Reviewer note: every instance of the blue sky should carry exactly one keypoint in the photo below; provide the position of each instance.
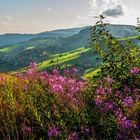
(32, 16)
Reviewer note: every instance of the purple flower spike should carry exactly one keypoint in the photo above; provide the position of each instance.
(53, 131)
(73, 136)
(134, 70)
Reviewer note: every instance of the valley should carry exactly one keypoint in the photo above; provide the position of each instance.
(56, 48)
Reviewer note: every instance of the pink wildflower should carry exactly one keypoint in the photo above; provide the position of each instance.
(58, 88)
(109, 80)
(134, 70)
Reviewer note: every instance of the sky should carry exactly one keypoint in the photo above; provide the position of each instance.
(34, 16)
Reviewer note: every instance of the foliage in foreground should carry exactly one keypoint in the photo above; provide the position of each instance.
(41, 105)
(118, 84)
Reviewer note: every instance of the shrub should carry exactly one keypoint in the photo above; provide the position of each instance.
(118, 84)
(41, 105)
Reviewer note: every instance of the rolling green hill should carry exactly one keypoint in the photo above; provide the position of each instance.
(67, 46)
(10, 39)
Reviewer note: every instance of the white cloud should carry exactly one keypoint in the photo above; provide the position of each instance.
(5, 20)
(8, 17)
(114, 12)
(82, 17)
(130, 15)
(97, 7)
(49, 9)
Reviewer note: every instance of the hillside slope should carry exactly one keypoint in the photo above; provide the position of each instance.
(50, 49)
(9, 39)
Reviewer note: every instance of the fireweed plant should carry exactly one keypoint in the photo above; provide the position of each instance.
(42, 105)
(63, 106)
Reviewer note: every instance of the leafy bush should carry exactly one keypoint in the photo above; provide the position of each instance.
(117, 94)
(41, 105)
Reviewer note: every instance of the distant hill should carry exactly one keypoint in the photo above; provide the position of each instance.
(120, 31)
(64, 46)
(60, 32)
(9, 39)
